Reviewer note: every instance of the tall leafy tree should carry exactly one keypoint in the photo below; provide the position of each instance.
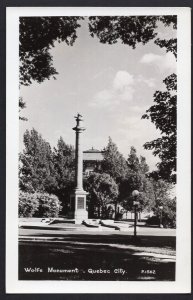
(163, 115)
(36, 170)
(136, 179)
(114, 163)
(133, 160)
(137, 164)
(143, 166)
(64, 165)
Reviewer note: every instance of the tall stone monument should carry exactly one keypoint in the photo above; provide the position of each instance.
(78, 210)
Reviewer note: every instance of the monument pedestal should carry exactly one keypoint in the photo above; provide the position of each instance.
(78, 210)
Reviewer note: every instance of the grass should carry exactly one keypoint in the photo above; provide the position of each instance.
(96, 251)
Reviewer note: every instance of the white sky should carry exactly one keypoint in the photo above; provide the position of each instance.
(110, 85)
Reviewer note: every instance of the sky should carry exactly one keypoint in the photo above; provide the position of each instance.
(111, 86)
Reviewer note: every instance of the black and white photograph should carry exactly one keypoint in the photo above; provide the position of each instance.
(96, 116)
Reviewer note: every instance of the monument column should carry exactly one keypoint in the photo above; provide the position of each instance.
(78, 154)
(78, 210)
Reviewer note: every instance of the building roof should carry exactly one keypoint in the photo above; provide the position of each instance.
(93, 154)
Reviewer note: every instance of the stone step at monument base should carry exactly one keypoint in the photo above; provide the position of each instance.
(78, 216)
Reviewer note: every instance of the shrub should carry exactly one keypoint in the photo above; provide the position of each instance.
(28, 204)
(154, 220)
(49, 205)
(38, 205)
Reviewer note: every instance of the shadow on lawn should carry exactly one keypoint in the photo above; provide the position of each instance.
(91, 252)
(145, 240)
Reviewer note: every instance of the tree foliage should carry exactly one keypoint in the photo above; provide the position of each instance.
(37, 37)
(102, 190)
(132, 30)
(170, 45)
(163, 115)
(39, 34)
(64, 165)
(133, 160)
(129, 30)
(137, 164)
(44, 172)
(36, 164)
(164, 204)
(113, 163)
(136, 179)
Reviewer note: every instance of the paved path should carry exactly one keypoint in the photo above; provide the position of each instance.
(140, 231)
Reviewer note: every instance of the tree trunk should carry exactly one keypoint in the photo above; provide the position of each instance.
(99, 208)
(115, 210)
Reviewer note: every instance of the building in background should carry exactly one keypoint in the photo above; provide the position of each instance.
(92, 159)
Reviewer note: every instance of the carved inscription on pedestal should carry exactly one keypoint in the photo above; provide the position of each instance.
(80, 203)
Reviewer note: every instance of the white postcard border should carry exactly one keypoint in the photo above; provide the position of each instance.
(183, 262)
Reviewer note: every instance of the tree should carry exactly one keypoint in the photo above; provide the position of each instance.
(133, 160)
(170, 45)
(132, 30)
(129, 30)
(136, 179)
(143, 166)
(102, 190)
(113, 163)
(163, 115)
(36, 172)
(164, 203)
(64, 165)
(37, 37)
(137, 164)
(43, 170)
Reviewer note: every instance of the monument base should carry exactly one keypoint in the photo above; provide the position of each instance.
(78, 210)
